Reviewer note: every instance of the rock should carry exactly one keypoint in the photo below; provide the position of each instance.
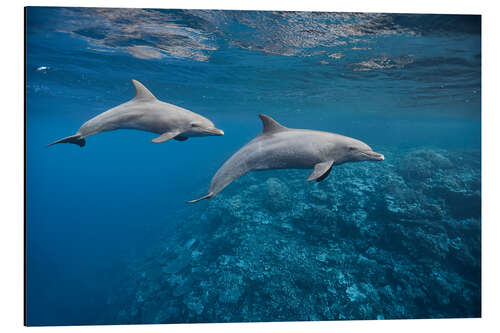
(354, 293)
(322, 257)
(231, 287)
(422, 163)
(178, 264)
(277, 195)
(194, 304)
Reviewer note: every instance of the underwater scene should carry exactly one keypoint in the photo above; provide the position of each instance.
(289, 228)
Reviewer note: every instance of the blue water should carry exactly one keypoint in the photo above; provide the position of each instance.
(110, 239)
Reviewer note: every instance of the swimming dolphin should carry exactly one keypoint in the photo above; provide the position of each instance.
(278, 147)
(145, 112)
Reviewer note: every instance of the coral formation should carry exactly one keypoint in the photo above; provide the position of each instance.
(373, 241)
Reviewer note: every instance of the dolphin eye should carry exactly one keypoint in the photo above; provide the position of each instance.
(195, 125)
(351, 148)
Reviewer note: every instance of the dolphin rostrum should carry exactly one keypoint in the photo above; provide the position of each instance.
(278, 147)
(145, 112)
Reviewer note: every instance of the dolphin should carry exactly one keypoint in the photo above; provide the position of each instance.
(279, 147)
(145, 112)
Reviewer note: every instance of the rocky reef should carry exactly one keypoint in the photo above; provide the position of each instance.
(396, 239)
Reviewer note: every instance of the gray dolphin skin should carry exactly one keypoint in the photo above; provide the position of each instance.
(278, 147)
(145, 112)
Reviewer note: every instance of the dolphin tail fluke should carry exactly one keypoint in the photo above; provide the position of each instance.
(208, 196)
(75, 139)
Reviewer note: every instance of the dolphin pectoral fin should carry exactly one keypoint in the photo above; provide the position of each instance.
(208, 196)
(321, 171)
(166, 136)
(180, 138)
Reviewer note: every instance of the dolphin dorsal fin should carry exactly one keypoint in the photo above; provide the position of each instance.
(142, 93)
(270, 125)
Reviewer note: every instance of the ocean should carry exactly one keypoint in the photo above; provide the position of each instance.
(110, 238)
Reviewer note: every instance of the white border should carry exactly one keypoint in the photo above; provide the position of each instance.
(11, 148)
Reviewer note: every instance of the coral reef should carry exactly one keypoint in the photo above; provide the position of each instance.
(398, 239)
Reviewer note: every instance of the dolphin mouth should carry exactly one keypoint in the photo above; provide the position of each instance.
(215, 132)
(373, 156)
